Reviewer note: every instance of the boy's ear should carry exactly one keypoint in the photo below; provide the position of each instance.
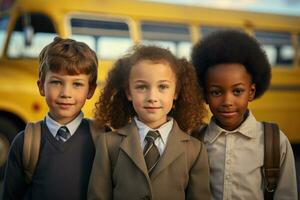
(41, 87)
(252, 92)
(92, 89)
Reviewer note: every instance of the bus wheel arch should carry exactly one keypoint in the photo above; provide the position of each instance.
(10, 125)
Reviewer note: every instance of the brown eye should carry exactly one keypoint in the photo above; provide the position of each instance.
(163, 86)
(238, 91)
(78, 84)
(215, 93)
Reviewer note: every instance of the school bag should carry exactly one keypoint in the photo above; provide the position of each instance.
(32, 141)
(271, 167)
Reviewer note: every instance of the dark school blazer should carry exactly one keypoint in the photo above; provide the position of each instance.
(181, 173)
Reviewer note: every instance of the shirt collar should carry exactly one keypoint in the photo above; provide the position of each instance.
(164, 130)
(247, 128)
(72, 126)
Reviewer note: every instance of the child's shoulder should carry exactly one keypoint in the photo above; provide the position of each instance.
(192, 141)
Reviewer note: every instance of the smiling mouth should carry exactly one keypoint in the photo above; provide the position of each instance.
(228, 114)
(152, 109)
(64, 104)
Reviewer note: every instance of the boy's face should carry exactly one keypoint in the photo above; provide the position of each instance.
(229, 89)
(65, 94)
(152, 91)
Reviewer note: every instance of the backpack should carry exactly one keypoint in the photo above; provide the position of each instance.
(271, 167)
(32, 141)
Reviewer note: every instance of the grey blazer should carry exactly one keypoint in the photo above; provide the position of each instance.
(120, 172)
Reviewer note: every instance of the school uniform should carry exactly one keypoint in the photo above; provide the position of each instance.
(236, 159)
(63, 168)
(120, 172)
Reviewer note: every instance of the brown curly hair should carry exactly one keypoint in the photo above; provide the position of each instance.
(115, 110)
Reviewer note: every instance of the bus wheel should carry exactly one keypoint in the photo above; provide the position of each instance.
(8, 130)
(4, 147)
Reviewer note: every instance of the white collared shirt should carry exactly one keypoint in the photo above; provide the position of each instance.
(164, 132)
(72, 126)
(236, 158)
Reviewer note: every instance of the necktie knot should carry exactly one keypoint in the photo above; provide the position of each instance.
(63, 134)
(152, 136)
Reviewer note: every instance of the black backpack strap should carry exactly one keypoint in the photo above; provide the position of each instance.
(271, 168)
(31, 148)
(199, 132)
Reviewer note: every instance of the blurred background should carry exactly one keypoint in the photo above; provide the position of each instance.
(111, 27)
(284, 7)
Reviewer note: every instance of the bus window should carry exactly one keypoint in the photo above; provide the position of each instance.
(175, 37)
(3, 27)
(278, 47)
(299, 48)
(42, 34)
(205, 30)
(109, 39)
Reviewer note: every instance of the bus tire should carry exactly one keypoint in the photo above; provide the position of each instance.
(8, 130)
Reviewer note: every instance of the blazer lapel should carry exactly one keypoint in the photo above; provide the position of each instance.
(175, 147)
(131, 145)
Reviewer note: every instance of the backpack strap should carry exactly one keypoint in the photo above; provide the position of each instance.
(113, 140)
(199, 132)
(31, 148)
(93, 129)
(271, 168)
(96, 130)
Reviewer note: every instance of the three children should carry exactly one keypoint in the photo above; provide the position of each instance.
(150, 99)
(233, 70)
(67, 77)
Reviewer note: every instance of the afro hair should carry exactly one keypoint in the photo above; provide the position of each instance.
(232, 46)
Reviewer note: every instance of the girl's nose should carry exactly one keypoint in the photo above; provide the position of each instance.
(152, 96)
(228, 100)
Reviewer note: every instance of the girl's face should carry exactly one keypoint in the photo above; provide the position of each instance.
(229, 89)
(152, 87)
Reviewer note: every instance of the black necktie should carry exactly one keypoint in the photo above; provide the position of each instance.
(63, 134)
(151, 153)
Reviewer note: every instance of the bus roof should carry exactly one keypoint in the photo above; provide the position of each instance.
(163, 12)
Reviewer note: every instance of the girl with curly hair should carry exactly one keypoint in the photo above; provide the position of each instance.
(152, 102)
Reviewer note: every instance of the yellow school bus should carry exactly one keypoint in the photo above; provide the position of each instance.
(110, 27)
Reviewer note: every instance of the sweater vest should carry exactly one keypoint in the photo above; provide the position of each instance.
(63, 169)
